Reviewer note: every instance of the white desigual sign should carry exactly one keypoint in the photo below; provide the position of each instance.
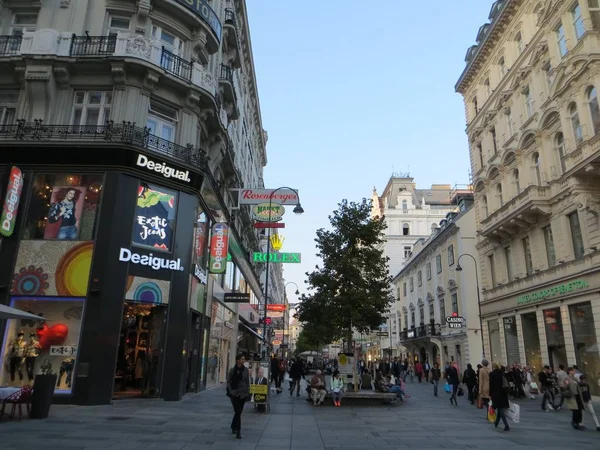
(258, 196)
(164, 169)
(156, 262)
(63, 350)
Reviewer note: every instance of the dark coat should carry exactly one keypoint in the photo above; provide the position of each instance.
(452, 376)
(498, 393)
(296, 370)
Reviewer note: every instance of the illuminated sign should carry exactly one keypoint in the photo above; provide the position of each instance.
(277, 257)
(553, 291)
(258, 196)
(156, 262)
(455, 321)
(219, 244)
(11, 202)
(277, 241)
(275, 307)
(268, 212)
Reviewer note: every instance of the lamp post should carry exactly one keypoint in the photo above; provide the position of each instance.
(297, 210)
(287, 311)
(459, 269)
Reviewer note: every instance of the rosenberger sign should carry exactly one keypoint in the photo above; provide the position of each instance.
(11, 202)
(258, 196)
(219, 245)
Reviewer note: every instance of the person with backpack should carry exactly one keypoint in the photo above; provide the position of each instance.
(587, 400)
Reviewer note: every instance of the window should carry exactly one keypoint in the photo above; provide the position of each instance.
(549, 240)
(118, 25)
(162, 121)
(561, 40)
(412, 318)
(404, 288)
(405, 229)
(480, 151)
(431, 312)
(169, 41)
(420, 278)
(91, 108)
(454, 298)
(508, 259)
(493, 133)
(527, 255)
(406, 324)
(528, 102)
(484, 206)
(438, 263)
(398, 294)
(576, 236)
(509, 123)
(492, 267)
(560, 151)
(549, 75)
(594, 7)
(411, 284)
(404, 204)
(429, 271)
(592, 98)
(422, 313)
(574, 115)
(502, 65)
(406, 252)
(8, 107)
(499, 194)
(536, 169)
(22, 23)
(577, 22)
(451, 255)
(516, 183)
(63, 207)
(442, 310)
(519, 43)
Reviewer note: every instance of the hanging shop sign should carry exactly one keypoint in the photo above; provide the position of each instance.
(269, 225)
(276, 307)
(203, 10)
(410, 334)
(156, 262)
(162, 168)
(455, 321)
(276, 342)
(219, 245)
(276, 241)
(200, 274)
(236, 297)
(258, 196)
(11, 202)
(268, 212)
(277, 257)
(561, 289)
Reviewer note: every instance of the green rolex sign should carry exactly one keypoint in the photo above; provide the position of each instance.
(553, 291)
(277, 257)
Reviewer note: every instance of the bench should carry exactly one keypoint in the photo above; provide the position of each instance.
(365, 396)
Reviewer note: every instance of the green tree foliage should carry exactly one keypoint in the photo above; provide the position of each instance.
(351, 290)
(309, 340)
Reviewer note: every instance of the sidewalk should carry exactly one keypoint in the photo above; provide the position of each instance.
(201, 422)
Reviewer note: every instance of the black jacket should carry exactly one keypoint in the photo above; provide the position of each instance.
(498, 393)
(470, 377)
(452, 376)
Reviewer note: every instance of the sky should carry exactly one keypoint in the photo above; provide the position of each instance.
(351, 93)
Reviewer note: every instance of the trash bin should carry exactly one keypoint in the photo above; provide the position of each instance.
(41, 399)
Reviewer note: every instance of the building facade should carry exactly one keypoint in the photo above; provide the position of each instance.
(429, 290)
(127, 127)
(530, 92)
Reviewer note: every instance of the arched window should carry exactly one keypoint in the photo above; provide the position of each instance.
(536, 169)
(592, 98)
(422, 313)
(499, 194)
(574, 115)
(560, 150)
(515, 179)
(484, 207)
(405, 229)
(404, 204)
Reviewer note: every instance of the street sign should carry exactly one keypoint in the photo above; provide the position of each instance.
(273, 257)
(383, 334)
(455, 321)
(269, 225)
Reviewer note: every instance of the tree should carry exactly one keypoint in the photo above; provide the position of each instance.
(309, 340)
(351, 290)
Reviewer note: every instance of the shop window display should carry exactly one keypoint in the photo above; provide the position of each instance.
(154, 217)
(221, 344)
(511, 339)
(495, 347)
(586, 343)
(31, 346)
(63, 207)
(531, 341)
(555, 338)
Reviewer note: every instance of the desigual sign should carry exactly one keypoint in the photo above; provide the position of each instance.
(11, 202)
(163, 168)
(156, 262)
(268, 212)
(219, 245)
(200, 274)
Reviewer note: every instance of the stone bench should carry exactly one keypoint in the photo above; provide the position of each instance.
(366, 396)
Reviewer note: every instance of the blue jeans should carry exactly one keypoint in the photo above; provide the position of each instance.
(435, 387)
(67, 233)
(395, 390)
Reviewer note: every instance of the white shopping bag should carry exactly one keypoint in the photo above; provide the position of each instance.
(513, 412)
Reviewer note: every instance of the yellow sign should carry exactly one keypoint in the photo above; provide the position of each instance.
(260, 389)
(277, 242)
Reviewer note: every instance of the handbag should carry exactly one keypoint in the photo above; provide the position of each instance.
(447, 388)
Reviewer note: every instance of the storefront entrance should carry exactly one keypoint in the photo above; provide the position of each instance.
(140, 347)
(194, 352)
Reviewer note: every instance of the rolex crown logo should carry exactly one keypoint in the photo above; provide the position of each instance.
(277, 242)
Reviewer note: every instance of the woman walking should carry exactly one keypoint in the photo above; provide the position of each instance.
(470, 379)
(452, 379)
(499, 394)
(238, 390)
(574, 399)
(436, 374)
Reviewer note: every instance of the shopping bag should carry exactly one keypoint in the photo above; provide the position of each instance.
(491, 413)
(447, 388)
(513, 412)
(533, 386)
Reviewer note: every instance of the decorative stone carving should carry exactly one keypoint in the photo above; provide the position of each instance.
(587, 202)
(151, 79)
(452, 285)
(65, 3)
(143, 11)
(61, 76)
(192, 99)
(546, 11)
(540, 51)
(119, 75)
(139, 46)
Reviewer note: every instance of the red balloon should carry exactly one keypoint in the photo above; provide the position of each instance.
(54, 335)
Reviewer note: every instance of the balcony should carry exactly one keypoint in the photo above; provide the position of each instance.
(92, 46)
(231, 44)
(175, 65)
(10, 45)
(227, 89)
(517, 214)
(420, 332)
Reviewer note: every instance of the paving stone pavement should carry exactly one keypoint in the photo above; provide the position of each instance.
(201, 422)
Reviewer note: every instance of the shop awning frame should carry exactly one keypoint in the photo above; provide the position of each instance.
(254, 332)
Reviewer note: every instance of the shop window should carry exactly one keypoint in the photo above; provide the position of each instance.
(22, 23)
(91, 108)
(586, 343)
(8, 107)
(531, 341)
(555, 337)
(494, 335)
(221, 345)
(155, 214)
(511, 340)
(576, 235)
(31, 346)
(63, 207)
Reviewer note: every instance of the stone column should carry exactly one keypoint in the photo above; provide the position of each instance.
(542, 334)
(568, 334)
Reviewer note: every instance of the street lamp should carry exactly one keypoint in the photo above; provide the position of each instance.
(459, 269)
(297, 210)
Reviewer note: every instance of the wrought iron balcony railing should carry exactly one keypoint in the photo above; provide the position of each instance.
(230, 17)
(176, 65)
(93, 45)
(10, 45)
(125, 132)
(226, 73)
(429, 330)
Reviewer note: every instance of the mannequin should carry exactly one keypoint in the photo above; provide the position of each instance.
(32, 351)
(66, 366)
(16, 351)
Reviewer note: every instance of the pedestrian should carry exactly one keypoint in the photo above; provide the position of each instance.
(562, 379)
(587, 400)
(238, 390)
(426, 370)
(470, 379)
(436, 374)
(547, 387)
(574, 399)
(452, 379)
(484, 386)
(275, 378)
(498, 388)
(296, 375)
(337, 388)
(419, 370)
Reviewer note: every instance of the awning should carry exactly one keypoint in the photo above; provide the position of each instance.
(253, 332)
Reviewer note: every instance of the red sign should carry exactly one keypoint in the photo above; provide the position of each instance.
(280, 196)
(219, 245)
(11, 202)
(275, 307)
(269, 225)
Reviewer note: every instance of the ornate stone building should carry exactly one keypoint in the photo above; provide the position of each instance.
(530, 90)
